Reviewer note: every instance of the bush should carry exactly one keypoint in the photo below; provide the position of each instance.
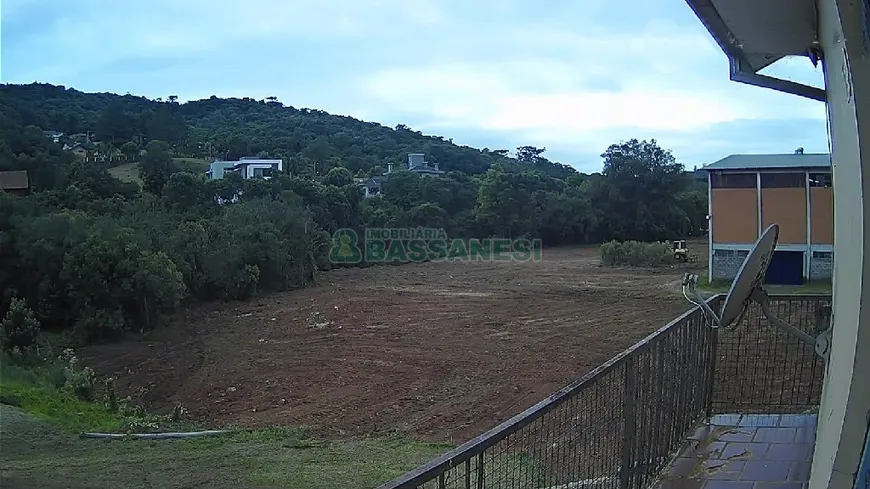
(636, 254)
(19, 331)
(79, 380)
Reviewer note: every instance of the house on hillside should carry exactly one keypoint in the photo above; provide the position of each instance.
(53, 135)
(418, 164)
(81, 151)
(247, 167)
(371, 186)
(81, 137)
(749, 192)
(15, 182)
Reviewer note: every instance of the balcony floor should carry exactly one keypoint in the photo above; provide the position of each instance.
(750, 451)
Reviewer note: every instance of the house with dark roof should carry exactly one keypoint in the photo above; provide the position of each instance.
(747, 193)
(417, 163)
(82, 151)
(371, 186)
(14, 182)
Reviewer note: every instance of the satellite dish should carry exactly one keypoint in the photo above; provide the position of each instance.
(748, 286)
(749, 277)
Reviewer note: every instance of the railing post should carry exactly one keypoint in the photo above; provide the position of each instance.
(714, 353)
(711, 379)
(629, 418)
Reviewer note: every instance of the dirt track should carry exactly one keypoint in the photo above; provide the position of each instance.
(440, 350)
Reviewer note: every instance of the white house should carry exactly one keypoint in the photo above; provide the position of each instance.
(247, 167)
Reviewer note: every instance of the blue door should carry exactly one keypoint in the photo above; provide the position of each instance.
(786, 268)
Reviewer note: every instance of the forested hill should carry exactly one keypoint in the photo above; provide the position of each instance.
(89, 253)
(230, 128)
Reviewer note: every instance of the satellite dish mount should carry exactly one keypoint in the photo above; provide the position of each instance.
(748, 286)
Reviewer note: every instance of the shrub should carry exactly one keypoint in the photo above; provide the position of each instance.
(243, 285)
(79, 380)
(19, 331)
(99, 323)
(636, 254)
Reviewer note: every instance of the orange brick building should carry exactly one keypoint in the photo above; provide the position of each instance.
(749, 192)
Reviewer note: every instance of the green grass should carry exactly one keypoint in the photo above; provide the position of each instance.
(40, 446)
(814, 287)
(128, 172)
(192, 165)
(37, 454)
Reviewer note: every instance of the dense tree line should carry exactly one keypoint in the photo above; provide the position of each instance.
(98, 257)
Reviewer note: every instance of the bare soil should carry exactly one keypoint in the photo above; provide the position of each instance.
(442, 351)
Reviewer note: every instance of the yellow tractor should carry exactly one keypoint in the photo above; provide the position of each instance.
(681, 252)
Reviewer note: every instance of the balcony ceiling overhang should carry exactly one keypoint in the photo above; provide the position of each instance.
(756, 33)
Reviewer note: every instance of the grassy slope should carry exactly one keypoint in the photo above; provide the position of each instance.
(36, 454)
(129, 172)
(40, 447)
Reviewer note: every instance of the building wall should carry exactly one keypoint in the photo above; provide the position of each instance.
(788, 208)
(726, 263)
(783, 197)
(822, 265)
(821, 215)
(734, 215)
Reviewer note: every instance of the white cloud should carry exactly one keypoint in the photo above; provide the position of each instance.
(662, 84)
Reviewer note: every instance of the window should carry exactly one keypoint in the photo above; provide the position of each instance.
(783, 180)
(733, 180)
(820, 180)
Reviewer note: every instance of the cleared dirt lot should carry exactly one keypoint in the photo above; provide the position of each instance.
(442, 351)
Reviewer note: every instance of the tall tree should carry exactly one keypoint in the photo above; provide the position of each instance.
(642, 182)
(156, 167)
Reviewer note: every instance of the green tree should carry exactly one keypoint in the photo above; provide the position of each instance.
(338, 177)
(19, 330)
(156, 166)
(130, 150)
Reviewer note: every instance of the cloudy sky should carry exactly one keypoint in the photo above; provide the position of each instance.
(573, 77)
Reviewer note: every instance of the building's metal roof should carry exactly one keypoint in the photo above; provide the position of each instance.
(771, 162)
(754, 34)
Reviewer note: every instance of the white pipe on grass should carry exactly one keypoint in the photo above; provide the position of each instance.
(153, 436)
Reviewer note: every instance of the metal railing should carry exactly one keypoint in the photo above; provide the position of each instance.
(619, 425)
(761, 369)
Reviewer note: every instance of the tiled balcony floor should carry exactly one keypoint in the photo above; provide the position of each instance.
(771, 451)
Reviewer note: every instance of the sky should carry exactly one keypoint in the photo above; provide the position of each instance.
(573, 77)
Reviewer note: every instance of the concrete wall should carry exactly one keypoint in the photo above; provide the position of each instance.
(788, 208)
(821, 265)
(726, 263)
(735, 215)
